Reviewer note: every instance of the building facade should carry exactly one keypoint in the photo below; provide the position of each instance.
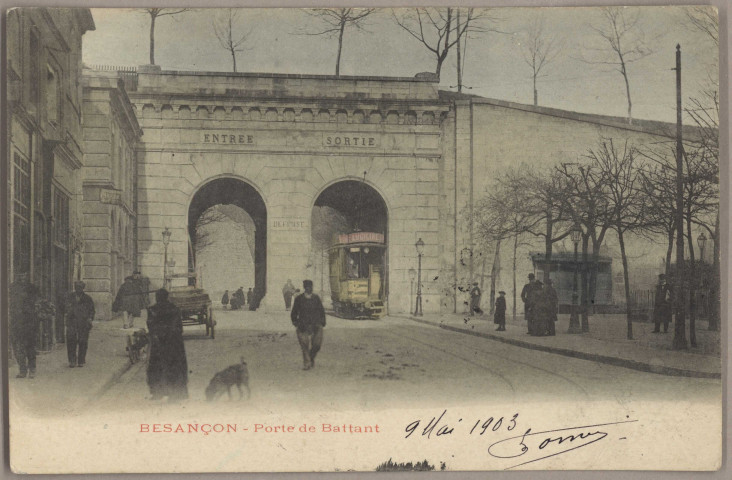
(111, 135)
(45, 147)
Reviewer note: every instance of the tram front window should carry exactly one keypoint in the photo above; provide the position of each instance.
(359, 259)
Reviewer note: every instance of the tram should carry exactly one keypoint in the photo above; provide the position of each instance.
(357, 264)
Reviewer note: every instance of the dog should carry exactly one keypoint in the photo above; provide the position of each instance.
(137, 345)
(222, 382)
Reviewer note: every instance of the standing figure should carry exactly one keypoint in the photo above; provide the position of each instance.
(527, 306)
(662, 305)
(475, 295)
(167, 369)
(552, 299)
(79, 316)
(308, 316)
(129, 301)
(24, 326)
(225, 299)
(288, 291)
(250, 297)
(499, 315)
(537, 308)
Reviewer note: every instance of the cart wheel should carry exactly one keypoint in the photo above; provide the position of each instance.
(130, 351)
(211, 322)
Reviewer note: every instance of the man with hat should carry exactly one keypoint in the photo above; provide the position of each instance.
(528, 310)
(499, 316)
(475, 295)
(308, 316)
(79, 316)
(662, 305)
(552, 299)
(129, 301)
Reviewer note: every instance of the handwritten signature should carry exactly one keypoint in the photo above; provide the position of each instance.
(532, 443)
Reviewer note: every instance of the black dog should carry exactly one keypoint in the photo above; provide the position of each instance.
(136, 345)
(221, 382)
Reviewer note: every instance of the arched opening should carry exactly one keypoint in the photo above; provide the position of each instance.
(216, 208)
(350, 244)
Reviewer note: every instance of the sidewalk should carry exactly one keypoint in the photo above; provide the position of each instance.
(605, 343)
(74, 388)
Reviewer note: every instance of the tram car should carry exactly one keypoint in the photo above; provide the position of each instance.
(357, 269)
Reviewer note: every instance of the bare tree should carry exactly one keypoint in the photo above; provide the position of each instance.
(154, 14)
(225, 27)
(703, 19)
(440, 29)
(539, 50)
(624, 43)
(202, 237)
(626, 201)
(336, 21)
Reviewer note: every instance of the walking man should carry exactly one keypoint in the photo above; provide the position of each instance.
(24, 326)
(225, 299)
(552, 299)
(308, 316)
(475, 295)
(288, 291)
(79, 316)
(528, 313)
(167, 369)
(662, 305)
(499, 315)
(129, 301)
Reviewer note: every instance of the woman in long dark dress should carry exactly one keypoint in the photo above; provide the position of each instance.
(167, 370)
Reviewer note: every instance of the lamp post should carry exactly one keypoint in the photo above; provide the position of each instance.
(412, 274)
(166, 241)
(574, 324)
(418, 304)
(701, 241)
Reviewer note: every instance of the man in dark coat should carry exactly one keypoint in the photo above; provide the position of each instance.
(475, 295)
(167, 369)
(662, 305)
(528, 313)
(79, 316)
(308, 316)
(552, 300)
(24, 326)
(537, 309)
(129, 301)
(499, 315)
(225, 299)
(250, 298)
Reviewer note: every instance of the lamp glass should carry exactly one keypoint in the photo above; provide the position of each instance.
(575, 233)
(419, 246)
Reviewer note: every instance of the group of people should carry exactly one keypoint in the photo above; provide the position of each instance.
(541, 305)
(238, 300)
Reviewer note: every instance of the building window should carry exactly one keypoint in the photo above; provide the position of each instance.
(53, 102)
(35, 77)
(61, 219)
(21, 215)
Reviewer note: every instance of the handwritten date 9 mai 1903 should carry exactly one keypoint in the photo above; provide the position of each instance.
(528, 447)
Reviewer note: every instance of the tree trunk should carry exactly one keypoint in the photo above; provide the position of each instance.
(548, 245)
(495, 270)
(340, 46)
(624, 258)
(536, 94)
(669, 250)
(627, 90)
(152, 39)
(715, 282)
(692, 283)
(233, 59)
(459, 70)
(515, 247)
(583, 288)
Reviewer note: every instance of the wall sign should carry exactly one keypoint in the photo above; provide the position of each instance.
(227, 138)
(350, 140)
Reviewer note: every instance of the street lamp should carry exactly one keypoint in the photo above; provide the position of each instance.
(574, 324)
(418, 304)
(166, 241)
(412, 274)
(701, 241)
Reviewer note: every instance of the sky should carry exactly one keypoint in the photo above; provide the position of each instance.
(494, 63)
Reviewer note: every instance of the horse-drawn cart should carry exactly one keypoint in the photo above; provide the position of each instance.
(194, 304)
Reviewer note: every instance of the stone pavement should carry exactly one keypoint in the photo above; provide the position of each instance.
(74, 388)
(606, 342)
